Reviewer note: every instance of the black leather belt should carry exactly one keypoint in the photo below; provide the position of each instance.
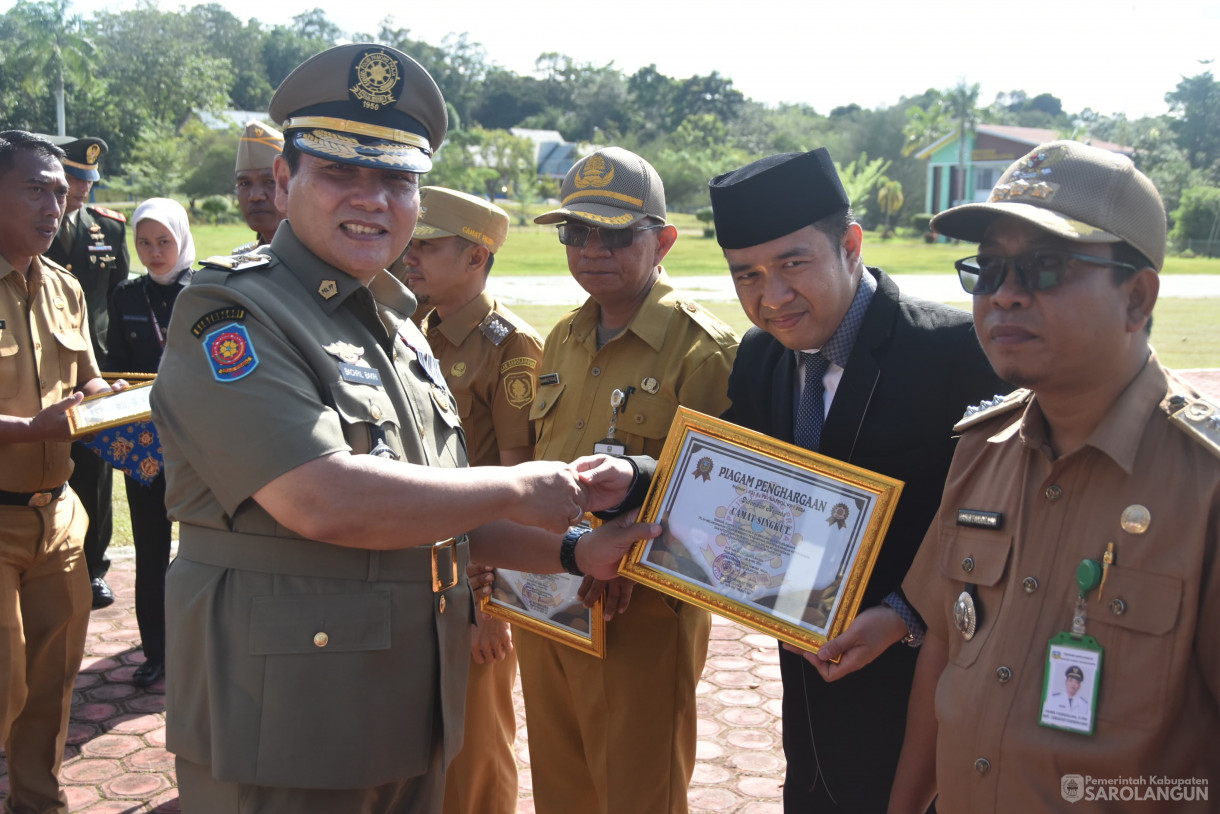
(35, 500)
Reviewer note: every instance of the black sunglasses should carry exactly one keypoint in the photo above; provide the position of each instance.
(1039, 270)
(577, 234)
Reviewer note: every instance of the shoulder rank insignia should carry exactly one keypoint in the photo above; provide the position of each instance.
(990, 408)
(245, 248)
(496, 328)
(108, 213)
(237, 262)
(1198, 417)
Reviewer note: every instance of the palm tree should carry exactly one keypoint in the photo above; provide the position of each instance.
(890, 198)
(49, 46)
(962, 103)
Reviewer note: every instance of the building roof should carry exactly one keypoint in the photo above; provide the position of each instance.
(1033, 136)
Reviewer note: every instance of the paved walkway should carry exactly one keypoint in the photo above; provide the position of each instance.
(116, 761)
(563, 290)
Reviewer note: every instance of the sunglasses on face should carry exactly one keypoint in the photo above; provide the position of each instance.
(1039, 270)
(577, 234)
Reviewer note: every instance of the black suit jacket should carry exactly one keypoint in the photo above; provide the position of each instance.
(99, 261)
(915, 367)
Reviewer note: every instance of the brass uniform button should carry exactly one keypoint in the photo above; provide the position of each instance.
(580, 423)
(1054, 492)
(639, 418)
(1118, 607)
(321, 639)
(1029, 584)
(595, 371)
(968, 564)
(982, 765)
(1003, 674)
(375, 412)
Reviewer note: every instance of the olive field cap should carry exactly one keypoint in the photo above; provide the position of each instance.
(775, 196)
(83, 155)
(1074, 191)
(449, 213)
(363, 104)
(612, 187)
(259, 145)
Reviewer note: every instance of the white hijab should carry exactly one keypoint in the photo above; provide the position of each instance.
(170, 214)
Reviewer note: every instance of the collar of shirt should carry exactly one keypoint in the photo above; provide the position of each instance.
(650, 323)
(459, 325)
(838, 348)
(1113, 436)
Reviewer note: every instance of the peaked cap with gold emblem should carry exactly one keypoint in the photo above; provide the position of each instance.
(83, 155)
(612, 187)
(1072, 190)
(259, 145)
(447, 212)
(364, 104)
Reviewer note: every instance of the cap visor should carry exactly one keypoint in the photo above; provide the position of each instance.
(374, 153)
(84, 175)
(970, 221)
(593, 214)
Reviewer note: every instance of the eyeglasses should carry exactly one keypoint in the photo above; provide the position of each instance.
(577, 234)
(1038, 270)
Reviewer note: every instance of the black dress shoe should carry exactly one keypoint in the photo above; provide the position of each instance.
(148, 673)
(103, 597)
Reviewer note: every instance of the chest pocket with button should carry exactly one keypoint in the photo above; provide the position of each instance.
(978, 557)
(9, 380)
(1135, 622)
(644, 423)
(367, 414)
(71, 348)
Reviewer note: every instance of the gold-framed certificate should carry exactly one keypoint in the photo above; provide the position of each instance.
(763, 532)
(547, 604)
(112, 409)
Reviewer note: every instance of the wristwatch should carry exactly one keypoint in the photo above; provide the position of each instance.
(567, 551)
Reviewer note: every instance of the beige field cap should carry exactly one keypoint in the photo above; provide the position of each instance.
(1074, 191)
(363, 104)
(259, 145)
(612, 187)
(449, 213)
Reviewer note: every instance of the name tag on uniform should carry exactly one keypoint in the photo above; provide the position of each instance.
(358, 374)
(975, 518)
(548, 378)
(99, 248)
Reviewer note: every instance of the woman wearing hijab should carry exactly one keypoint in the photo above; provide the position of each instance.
(139, 320)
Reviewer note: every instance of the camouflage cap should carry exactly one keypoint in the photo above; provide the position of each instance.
(364, 104)
(612, 187)
(1074, 191)
(83, 155)
(449, 213)
(259, 145)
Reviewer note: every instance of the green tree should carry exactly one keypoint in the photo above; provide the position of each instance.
(889, 198)
(860, 178)
(513, 165)
(1198, 218)
(697, 151)
(157, 163)
(211, 156)
(1194, 108)
(45, 47)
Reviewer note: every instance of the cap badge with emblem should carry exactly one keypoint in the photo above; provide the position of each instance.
(594, 174)
(377, 77)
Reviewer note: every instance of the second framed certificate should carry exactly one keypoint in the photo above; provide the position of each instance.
(547, 605)
(776, 537)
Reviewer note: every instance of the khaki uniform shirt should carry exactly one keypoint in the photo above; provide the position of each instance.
(489, 356)
(292, 662)
(674, 352)
(45, 355)
(1158, 618)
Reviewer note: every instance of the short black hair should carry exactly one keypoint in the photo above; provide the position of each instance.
(292, 155)
(13, 141)
(1124, 252)
(834, 225)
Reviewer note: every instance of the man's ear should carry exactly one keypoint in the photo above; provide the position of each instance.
(852, 244)
(283, 173)
(1142, 291)
(666, 237)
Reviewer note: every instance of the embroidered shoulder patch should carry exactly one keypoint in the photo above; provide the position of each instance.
(231, 314)
(230, 352)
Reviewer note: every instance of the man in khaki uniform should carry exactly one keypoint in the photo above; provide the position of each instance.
(1080, 522)
(489, 357)
(92, 244)
(254, 182)
(618, 734)
(46, 364)
(317, 631)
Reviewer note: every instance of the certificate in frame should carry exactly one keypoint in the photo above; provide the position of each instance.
(763, 532)
(105, 410)
(546, 604)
